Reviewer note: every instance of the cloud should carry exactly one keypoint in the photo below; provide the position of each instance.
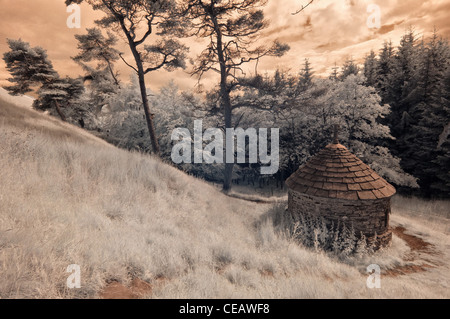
(326, 32)
(388, 27)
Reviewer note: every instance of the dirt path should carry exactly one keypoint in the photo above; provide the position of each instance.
(136, 290)
(257, 199)
(418, 247)
(414, 242)
(116, 290)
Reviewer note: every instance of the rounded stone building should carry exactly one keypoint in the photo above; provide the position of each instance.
(340, 188)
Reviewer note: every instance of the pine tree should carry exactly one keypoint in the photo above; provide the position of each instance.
(336, 245)
(442, 160)
(101, 87)
(349, 67)
(62, 92)
(28, 67)
(370, 69)
(316, 242)
(383, 71)
(306, 77)
(430, 113)
(94, 46)
(412, 81)
(330, 237)
(361, 246)
(303, 230)
(348, 241)
(334, 73)
(401, 79)
(324, 234)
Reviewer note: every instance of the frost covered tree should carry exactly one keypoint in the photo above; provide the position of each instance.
(341, 241)
(357, 108)
(361, 248)
(124, 124)
(305, 121)
(138, 21)
(230, 29)
(174, 108)
(122, 120)
(348, 241)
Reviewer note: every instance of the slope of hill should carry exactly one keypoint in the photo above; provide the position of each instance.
(68, 197)
(22, 100)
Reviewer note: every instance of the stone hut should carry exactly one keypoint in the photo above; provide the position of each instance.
(340, 188)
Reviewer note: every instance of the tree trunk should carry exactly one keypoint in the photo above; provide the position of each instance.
(145, 104)
(225, 97)
(60, 113)
(148, 115)
(141, 76)
(228, 173)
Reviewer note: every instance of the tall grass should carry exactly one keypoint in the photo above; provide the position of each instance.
(432, 213)
(72, 199)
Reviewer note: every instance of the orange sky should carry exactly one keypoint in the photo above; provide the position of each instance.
(326, 32)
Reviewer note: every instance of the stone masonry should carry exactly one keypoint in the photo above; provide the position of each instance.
(339, 187)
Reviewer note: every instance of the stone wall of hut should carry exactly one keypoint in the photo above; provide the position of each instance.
(368, 216)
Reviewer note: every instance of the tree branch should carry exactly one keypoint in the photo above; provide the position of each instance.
(159, 66)
(303, 7)
(120, 54)
(149, 30)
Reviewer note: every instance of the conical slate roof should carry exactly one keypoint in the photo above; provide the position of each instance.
(336, 173)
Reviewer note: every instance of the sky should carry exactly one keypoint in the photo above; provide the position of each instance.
(326, 32)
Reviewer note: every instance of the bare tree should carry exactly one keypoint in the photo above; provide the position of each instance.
(232, 28)
(148, 18)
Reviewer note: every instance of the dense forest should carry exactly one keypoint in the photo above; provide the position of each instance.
(393, 110)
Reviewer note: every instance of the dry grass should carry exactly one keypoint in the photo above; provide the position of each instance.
(433, 213)
(68, 198)
(38, 123)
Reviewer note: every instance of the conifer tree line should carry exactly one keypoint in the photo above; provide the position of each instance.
(414, 79)
(393, 110)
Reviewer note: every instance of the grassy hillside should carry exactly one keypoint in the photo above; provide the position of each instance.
(67, 197)
(22, 100)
